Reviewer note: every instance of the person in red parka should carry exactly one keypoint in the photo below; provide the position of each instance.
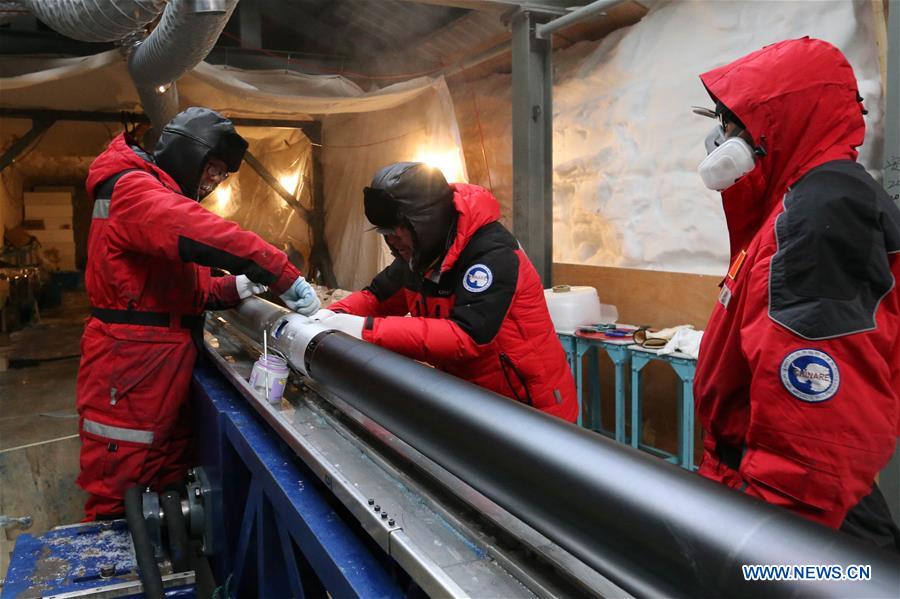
(798, 381)
(476, 303)
(148, 279)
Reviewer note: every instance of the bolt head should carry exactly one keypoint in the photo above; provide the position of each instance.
(384, 515)
(377, 508)
(371, 502)
(391, 522)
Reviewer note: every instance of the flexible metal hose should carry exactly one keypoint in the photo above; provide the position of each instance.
(95, 20)
(187, 31)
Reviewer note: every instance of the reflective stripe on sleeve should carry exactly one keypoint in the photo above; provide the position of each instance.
(101, 209)
(117, 433)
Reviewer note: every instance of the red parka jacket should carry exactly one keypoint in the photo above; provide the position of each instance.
(149, 253)
(799, 372)
(480, 316)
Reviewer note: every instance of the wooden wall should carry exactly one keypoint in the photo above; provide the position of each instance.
(654, 298)
(657, 299)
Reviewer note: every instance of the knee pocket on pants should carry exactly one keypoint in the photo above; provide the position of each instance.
(110, 467)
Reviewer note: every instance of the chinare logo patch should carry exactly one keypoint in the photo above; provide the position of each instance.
(477, 278)
(810, 375)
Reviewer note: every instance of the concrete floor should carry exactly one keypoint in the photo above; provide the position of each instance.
(38, 425)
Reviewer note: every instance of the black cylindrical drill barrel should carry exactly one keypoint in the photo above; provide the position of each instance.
(651, 527)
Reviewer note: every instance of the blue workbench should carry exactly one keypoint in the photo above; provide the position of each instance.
(279, 531)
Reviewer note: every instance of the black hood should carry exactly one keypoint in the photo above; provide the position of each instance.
(190, 140)
(416, 195)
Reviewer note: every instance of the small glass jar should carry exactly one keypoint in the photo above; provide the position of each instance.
(277, 370)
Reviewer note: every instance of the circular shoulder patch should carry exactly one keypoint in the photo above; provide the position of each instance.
(477, 278)
(810, 375)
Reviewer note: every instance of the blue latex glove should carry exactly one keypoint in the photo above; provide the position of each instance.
(301, 297)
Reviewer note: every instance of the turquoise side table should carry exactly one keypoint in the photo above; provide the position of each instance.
(619, 353)
(684, 366)
(574, 355)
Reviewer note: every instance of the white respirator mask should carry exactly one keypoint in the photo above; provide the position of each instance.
(728, 160)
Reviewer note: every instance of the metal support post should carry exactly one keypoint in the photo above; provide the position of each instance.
(251, 25)
(532, 117)
(892, 105)
(890, 476)
(320, 256)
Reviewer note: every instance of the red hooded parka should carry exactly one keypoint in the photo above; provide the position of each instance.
(799, 372)
(148, 286)
(481, 315)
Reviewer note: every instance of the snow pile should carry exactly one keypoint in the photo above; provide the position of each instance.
(626, 145)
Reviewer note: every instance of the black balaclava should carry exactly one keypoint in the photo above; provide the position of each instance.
(190, 140)
(416, 195)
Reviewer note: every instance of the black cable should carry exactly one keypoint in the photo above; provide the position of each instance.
(148, 569)
(179, 544)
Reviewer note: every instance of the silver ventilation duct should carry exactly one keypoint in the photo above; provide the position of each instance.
(186, 33)
(179, 42)
(198, 6)
(96, 20)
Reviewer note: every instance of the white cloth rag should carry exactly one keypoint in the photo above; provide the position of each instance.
(686, 340)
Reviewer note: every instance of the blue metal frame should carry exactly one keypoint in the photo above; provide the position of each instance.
(576, 348)
(620, 357)
(573, 357)
(71, 559)
(281, 536)
(684, 368)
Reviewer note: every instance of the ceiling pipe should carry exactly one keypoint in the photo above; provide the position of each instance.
(185, 34)
(208, 6)
(95, 21)
(545, 31)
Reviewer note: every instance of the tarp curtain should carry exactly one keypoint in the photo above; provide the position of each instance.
(362, 131)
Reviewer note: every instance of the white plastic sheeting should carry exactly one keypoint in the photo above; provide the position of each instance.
(356, 147)
(246, 199)
(363, 131)
(626, 145)
(100, 82)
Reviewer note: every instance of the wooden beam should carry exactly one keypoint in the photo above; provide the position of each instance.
(319, 255)
(558, 7)
(38, 127)
(285, 195)
(40, 114)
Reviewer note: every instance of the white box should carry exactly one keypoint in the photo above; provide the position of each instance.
(34, 212)
(48, 198)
